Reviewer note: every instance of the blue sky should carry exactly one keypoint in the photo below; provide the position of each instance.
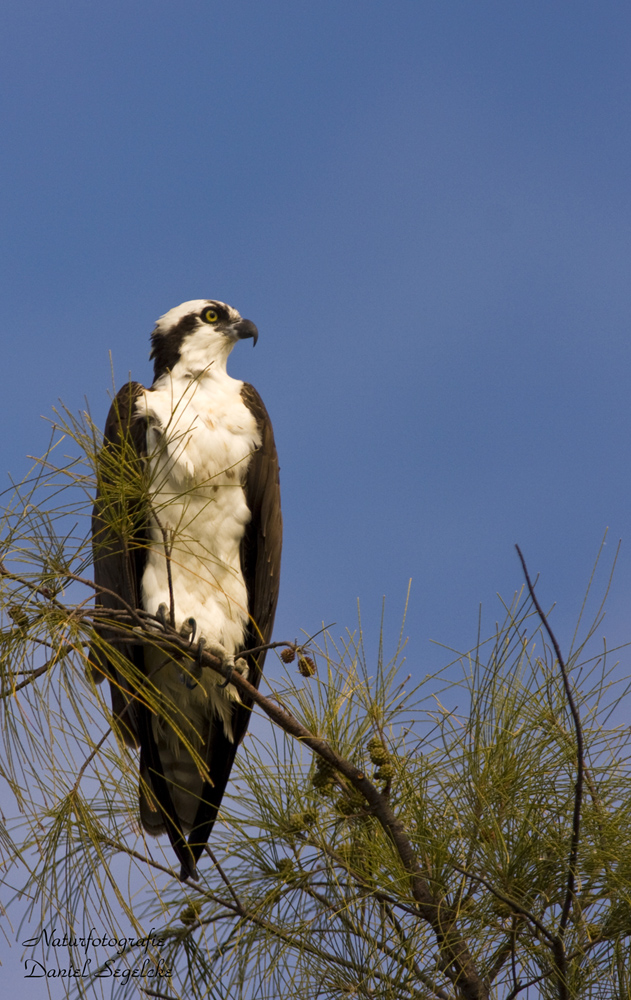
(425, 208)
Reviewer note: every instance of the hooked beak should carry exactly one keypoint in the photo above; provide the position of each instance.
(244, 329)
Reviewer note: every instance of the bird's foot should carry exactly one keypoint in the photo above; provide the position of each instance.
(241, 667)
(238, 666)
(227, 660)
(228, 663)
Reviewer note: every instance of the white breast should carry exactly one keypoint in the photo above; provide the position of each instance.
(200, 440)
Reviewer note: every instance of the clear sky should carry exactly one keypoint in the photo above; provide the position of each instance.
(425, 207)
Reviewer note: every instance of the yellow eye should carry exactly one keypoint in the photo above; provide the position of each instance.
(211, 316)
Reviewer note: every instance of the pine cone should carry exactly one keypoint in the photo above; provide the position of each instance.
(385, 772)
(377, 751)
(306, 666)
(18, 615)
(324, 778)
(190, 915)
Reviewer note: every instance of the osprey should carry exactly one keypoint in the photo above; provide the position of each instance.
(198, 543)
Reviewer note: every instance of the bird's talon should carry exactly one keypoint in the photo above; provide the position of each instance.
(229, 667)
(188, 630)
(162, 615)
(201, 642)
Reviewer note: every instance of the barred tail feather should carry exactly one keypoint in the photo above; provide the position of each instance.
(185, 786)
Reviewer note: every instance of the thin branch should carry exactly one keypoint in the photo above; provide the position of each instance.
(34, 674)
(503, 951)
(363, 883)
(580, 753)
(134, 613)
(509, 902)
(44, 592)
(268, 645)
(524, 986)
(90, 758)
(513, 950)
(223, 875)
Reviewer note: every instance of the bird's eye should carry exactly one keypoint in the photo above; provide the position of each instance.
(210, 315)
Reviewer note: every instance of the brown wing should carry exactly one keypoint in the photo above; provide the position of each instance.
(262, 542)
(119, 538)
(260, 564)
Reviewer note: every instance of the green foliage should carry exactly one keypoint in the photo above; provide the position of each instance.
(305, 891)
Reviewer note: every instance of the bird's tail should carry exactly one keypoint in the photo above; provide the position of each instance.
(186, 760)
(184, 783)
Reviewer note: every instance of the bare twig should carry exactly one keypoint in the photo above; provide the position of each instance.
(268, 645)
(89, 758)
(223, 875)
(580, 755)
(524, 986)
(558, 947)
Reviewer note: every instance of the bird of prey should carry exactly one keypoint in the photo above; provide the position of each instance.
(198, 546)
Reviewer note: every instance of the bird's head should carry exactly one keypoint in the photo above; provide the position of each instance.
(198, 334)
